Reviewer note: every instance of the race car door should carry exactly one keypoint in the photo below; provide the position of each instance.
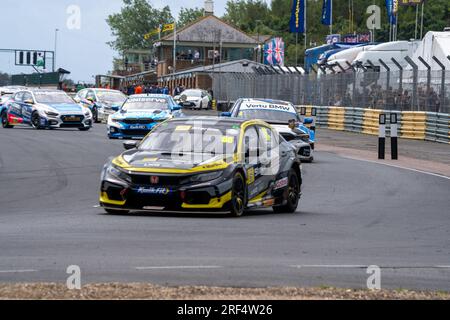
(27, 107)
(252, 165)
(269, 161)
(15, 106)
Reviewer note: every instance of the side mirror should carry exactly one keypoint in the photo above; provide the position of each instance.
(176, 107)
(226, 114)
(308, 120)
(29, 101)
(128, 145)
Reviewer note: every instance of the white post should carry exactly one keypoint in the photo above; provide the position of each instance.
(421, 22)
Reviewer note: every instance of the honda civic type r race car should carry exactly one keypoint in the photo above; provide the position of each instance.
(43, 108)
(283, 116)
(139, 114)
(205, 164)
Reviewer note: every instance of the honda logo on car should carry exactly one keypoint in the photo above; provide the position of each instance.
(154, 179)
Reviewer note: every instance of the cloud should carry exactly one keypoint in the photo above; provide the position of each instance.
(82, 51)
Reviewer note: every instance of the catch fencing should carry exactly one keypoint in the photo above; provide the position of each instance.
(419, 125)
(405, 90)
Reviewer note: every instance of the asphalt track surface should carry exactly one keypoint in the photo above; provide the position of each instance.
(352, 214)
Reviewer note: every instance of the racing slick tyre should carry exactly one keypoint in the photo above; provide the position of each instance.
(36, 121)
(116, 212)
(5, 123)
(293, 196)
(238, 195)
(95, 115)
(84, 129)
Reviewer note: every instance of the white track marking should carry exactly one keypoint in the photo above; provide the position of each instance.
(399, 167)
(356, 266)
(18, 271)
(177, 267)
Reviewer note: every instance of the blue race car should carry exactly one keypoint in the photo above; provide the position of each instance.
(283, 116)
(44, 108)
(139, 114)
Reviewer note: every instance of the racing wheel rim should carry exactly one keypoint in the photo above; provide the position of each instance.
(293, 190)
(238, 195)
(35, 121)
(4, 120)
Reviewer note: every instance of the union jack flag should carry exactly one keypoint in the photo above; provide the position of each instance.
(274, 52)
(268, 53)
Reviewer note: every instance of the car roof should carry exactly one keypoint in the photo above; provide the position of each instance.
(103, 89)
(151, 95)
(226, 120)
(37, 90)
(267, 100)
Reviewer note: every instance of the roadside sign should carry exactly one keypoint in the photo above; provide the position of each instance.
(30, 58)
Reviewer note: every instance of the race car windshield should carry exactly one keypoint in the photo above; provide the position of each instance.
(175, 138)
(111, 97)
(142, 104)
(271, 116)
(52, 97)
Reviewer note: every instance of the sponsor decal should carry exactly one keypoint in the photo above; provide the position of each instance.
(138, 126)
(183, 128)
(250, 176)
(281, 183)
(228, 139)
(266, 106)
(144, 99)
(159, 191)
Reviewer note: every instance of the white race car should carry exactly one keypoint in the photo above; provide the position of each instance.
(194, 99)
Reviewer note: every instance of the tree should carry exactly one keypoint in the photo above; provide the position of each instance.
(136, 18)
(274, 20)
(188, 15)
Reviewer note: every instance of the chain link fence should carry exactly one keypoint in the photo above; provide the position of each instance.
(406, 90)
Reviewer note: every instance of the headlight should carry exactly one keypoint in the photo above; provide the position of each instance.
(51, 113)
(114, 174)
(203, 177)
(87, 113)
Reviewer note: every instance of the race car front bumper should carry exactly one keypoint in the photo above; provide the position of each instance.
(166, 196)
(120, 130)
(66, 121)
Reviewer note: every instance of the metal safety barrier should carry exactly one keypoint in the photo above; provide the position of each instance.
(418, 125)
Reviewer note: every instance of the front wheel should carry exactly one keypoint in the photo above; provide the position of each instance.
(95, 115)
(238, 196)
(5, 123)
(36, 121)
(293, 195)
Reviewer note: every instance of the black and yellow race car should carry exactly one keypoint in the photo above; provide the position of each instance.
(204, 164)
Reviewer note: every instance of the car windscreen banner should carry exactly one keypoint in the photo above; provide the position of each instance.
(260, 105)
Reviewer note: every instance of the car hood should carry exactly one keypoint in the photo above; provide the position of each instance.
(146, 161)
(149, 114)
(65, 107)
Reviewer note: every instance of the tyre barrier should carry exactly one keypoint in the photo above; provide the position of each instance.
(417, 125)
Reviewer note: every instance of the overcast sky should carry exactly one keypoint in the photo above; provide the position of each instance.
(31, 24)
